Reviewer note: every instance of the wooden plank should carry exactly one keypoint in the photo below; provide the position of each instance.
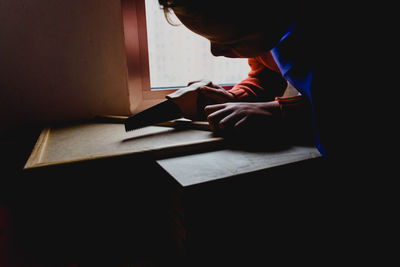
(178, 123)
(39, 148)
(89, 141)
(204, 167)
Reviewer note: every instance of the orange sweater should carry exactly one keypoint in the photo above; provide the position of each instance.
(264, 81)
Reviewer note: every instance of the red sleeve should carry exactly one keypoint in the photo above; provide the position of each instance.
(289, 104)
(262, 83)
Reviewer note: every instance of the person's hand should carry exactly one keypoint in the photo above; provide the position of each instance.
(213, 94)
(244, 117)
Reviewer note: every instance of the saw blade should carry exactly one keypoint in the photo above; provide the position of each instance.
(164, 111)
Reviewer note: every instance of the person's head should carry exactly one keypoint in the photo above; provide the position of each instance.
(234, 29)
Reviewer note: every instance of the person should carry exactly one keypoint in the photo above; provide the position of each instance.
(328, 53)
(283, 44)
(336, 56)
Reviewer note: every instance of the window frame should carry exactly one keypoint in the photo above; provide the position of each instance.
(137, 59)
(134, 26)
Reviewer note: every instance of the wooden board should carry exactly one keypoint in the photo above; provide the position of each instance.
(88, 141)
(208, 166)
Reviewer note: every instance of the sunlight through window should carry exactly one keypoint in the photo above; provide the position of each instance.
(178, 56)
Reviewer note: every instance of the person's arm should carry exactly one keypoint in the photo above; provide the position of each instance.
(262, 84)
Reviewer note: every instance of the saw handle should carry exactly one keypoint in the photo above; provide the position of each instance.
(188, 100)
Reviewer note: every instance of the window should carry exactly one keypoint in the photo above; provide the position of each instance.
(177, 55)
(162, 57)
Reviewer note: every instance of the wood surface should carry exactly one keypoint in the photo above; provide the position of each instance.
(88, 141)
(208, 166)
(191, 156)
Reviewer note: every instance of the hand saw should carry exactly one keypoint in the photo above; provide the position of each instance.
(181, 103)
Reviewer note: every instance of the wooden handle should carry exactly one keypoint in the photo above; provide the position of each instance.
(187, 100)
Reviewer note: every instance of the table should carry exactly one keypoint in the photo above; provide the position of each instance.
(159, 191)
